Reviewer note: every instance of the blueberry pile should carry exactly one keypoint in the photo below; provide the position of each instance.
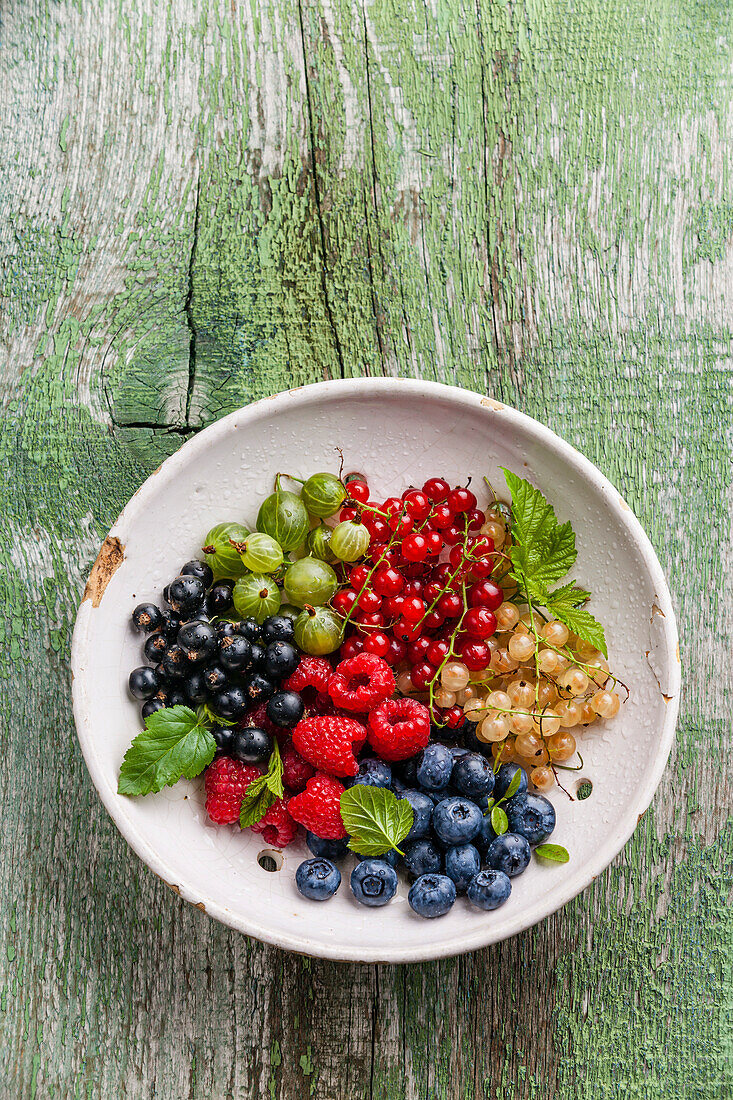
(198, 655)
(452, 847)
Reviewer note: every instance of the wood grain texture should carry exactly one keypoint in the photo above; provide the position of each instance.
(205, 202)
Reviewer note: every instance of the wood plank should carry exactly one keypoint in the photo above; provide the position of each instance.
(532, 199)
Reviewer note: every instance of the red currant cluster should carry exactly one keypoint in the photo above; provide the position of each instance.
(423, 593)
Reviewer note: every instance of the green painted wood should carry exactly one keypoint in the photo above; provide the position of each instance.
(206, 202)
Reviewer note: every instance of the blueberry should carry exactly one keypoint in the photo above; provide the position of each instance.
(281, 659)
(197, 640)
(230, 702)
(407, 771)
(278, 628)
(485, 835)
(372, 773)
(373, 882)
(489, 889)
(473, 775)
(457, 751)
(258, 687)
(194, 687)
(219, 598)
(391, 857)
(215, 678)
(174, 663)
(445, 733)
(224, 736)
(329, 849)
(422, 808)
(456, 820)
(285, 709)
(144, 682)
(462, 863)
(147, 617)
(318, 879)
(422, 857)
(434, 767)
(251, 745)
(432, 895)
(198, 568)
(177, 697)
(171, 624)
(235, 653)
(186, 594)
(155, 646)
(398, 786)
(439, 795)
(530, 815)
(258, 656)
(151, 706)
(471, 741)
(509, 853)
(249, 629)
(504, 777)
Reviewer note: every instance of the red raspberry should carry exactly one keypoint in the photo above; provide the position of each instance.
(311, 672)
(327, 742)
(318, 808)
(296, 770)
(225, 782)
(277, 827)
(361, 682)
(398, 728)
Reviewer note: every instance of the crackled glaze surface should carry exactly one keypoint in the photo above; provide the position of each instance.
(205, 203)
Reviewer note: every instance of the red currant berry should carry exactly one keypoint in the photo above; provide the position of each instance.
(452, 535)
(450, 605)
(440, 517)
(432, 621)
(476, 518)
(349, 511)
(392, 606)
(377, 642)
(397, 651)
(392, 506)
(435, 488)
(370, 601)
(358, 576)
(358, 490)
(485, 593)
(479, 622)
(454, 718)
(413, 609)
(432, 591)
(344, 600)
(435, 543)
(481, 547)
(383, 555)
(351, 647)
(481, 568)
(422, 674)
(401, 525)
(437, 651)
(407, 632)
(441, 573)
(475, 655)
(416, 504)
(461, 500)
(415, 587)
(417, 650)
(415, 547)
(456, 555)
(369, 618)
(377, 527)
(387, 581)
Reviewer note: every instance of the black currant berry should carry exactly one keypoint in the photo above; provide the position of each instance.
(215, 678)
(249, 629)
(147, 617)
(223, 735)
(171, 623)
(219, 598)
(258, 657)
(174, 663)
(281, 659)
(177, 697)
(144, 682)
(200, 569)
(198, 641)
(235, 654)
(230, 703)
(251, 745)
(195, 688)
(186, 594)
(278, 628)
(155, 646)
(258, 687)
(285, 709)
(151, 706)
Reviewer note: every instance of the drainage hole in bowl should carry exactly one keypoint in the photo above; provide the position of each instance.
(584, 789)
(270, 860)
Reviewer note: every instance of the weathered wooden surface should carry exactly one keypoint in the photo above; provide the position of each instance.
(204, 202)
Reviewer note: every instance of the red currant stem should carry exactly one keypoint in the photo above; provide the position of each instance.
(453, 576)
(449, 654)
(574, 768)
(365, 507)
(363, 588)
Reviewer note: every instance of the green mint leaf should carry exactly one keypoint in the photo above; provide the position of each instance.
(568, 598)
(173, 744)
(533, 517)
(582, 623)
(256, 803)
(555, 852)
(499, 822)
(544, 549)
(375, 818)
(263, 792)
(274, 775)
(513, 787)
